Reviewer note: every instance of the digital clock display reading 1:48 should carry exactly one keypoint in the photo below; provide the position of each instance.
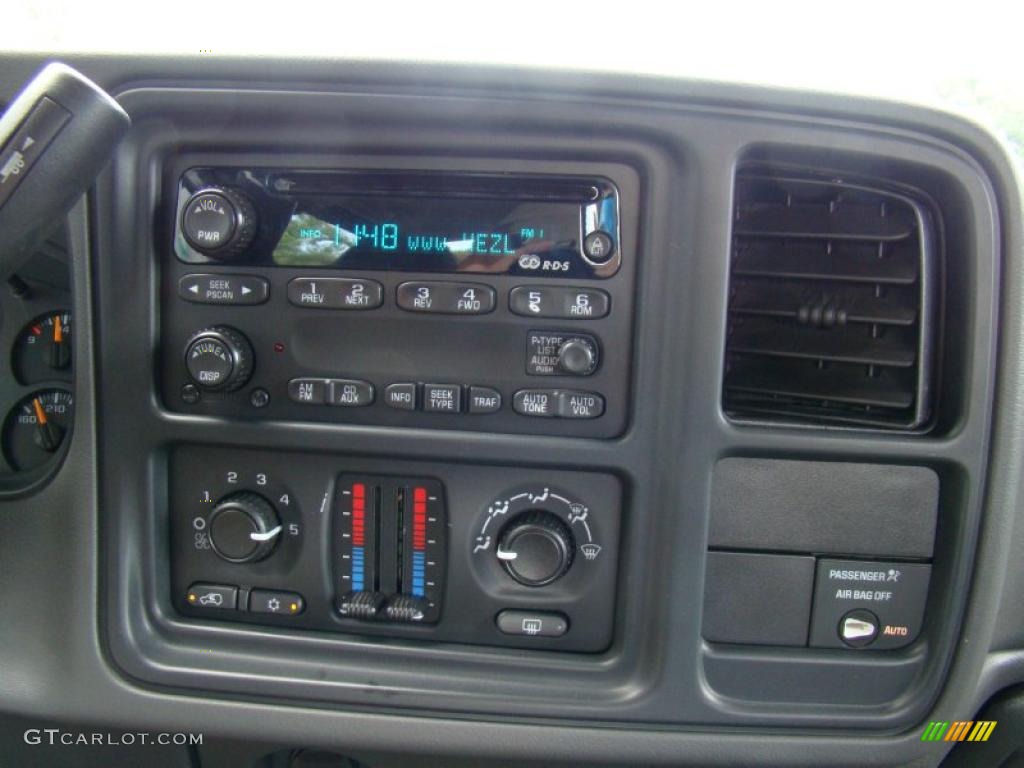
(382, 236)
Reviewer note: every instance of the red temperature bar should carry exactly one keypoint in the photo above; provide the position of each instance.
(419, 519)
(358, 514)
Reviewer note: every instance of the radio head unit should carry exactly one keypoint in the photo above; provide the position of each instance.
(400, 221)
(484, 299)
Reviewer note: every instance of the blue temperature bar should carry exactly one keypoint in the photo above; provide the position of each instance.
(419, 563)
(358, 569)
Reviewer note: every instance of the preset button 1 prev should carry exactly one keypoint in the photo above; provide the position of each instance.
(335, 293)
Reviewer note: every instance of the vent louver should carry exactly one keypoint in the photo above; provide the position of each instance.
(830, 307)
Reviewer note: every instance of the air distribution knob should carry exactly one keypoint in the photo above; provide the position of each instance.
(219, 222)
(536, 548)
(219, 359)
(244, 528)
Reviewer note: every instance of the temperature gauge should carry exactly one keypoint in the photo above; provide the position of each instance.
(43, 349)
(35, 429)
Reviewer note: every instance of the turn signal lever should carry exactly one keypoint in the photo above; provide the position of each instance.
(55, 138)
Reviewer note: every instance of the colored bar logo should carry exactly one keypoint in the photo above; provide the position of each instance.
(959, 730)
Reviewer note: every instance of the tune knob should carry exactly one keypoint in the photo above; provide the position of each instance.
(536, 548)
(219, 358)
(577, 356)
(244, 528)
(219, 222)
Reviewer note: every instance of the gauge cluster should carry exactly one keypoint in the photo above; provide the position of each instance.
(36, 381)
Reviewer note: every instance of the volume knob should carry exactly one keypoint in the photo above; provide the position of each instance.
(219, 222)
(219, 359)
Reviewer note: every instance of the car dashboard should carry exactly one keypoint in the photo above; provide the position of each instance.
(436, 415)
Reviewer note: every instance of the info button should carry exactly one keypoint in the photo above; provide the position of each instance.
(401, 396)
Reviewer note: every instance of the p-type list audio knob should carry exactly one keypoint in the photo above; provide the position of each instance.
(244, 528)
(536, 548)
(577, 356)
(219, 359)
(219, 222)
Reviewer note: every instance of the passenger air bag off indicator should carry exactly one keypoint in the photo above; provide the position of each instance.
(868, 604)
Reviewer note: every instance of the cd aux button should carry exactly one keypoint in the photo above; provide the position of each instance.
(335, 293)
(349, 393)
(446, 298)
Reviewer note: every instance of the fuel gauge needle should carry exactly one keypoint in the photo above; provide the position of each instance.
(59, 353)
(48, 435)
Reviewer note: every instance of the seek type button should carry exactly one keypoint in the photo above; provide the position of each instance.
(851, 595)
(442, 398)
(224, 289)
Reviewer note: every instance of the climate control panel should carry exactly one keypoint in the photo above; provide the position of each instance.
(438, 552)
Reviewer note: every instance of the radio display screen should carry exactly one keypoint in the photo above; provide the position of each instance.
(429, 233)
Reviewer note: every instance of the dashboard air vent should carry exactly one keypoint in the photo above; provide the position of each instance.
(830, 306)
